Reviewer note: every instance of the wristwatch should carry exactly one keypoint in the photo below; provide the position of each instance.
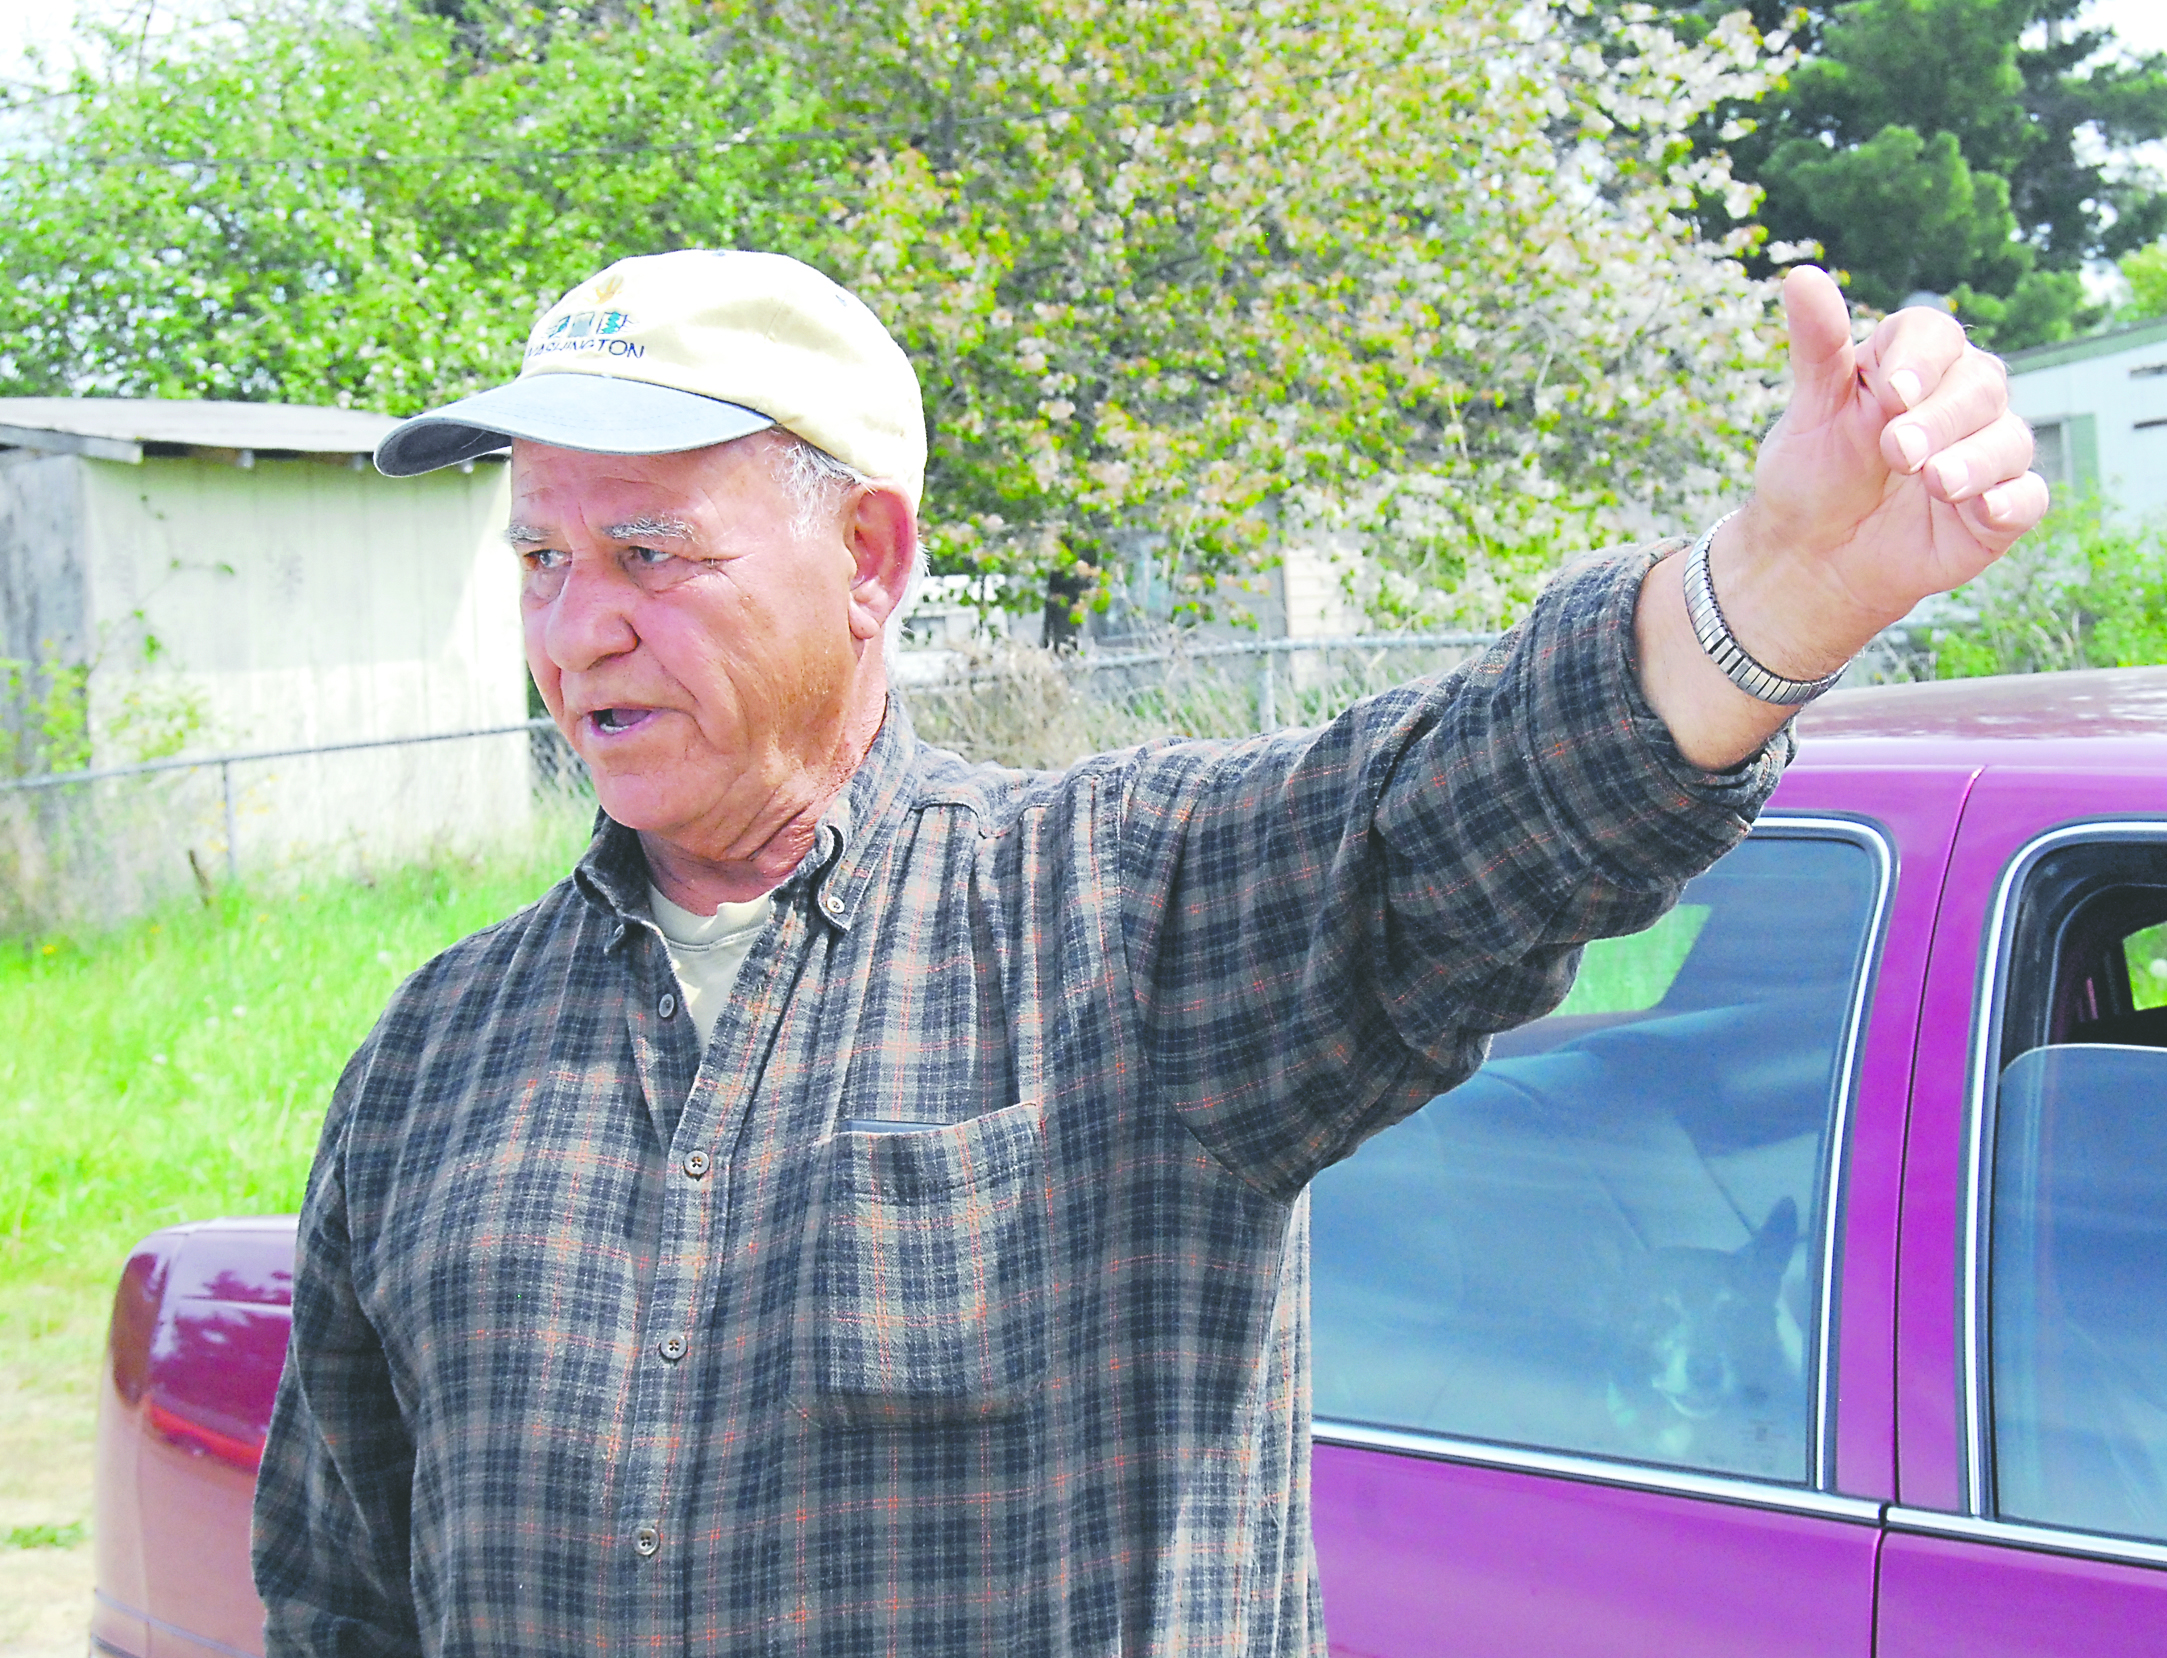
(1722, 645)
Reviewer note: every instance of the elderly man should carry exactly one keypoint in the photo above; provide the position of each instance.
(861, 1210)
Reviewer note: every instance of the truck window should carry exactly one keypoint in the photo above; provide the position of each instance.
(2077, 1260)
(1610, 1241)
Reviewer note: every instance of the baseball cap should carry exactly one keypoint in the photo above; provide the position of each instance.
(676, 351)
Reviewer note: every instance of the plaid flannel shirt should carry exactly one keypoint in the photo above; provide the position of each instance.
(605, 1344)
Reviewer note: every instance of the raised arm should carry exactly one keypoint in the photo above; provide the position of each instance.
(1324, 928)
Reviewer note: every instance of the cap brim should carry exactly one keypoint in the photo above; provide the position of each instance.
(595, 412)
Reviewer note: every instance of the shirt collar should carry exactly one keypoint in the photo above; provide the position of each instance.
(857, 825)
(612, 875)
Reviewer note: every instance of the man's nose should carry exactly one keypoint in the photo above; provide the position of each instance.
(590, 619)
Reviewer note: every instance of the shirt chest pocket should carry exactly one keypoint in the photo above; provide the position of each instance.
(927, 1299)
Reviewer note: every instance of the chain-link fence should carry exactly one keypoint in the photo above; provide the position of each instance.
(87, 848)
(1022, 706)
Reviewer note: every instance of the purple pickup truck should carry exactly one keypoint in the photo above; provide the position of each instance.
(1799, 1287)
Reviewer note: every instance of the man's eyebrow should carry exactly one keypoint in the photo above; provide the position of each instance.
(643, 528)
(646, 528)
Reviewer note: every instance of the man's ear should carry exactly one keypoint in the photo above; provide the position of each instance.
(882, 534)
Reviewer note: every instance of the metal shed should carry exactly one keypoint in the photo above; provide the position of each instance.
(2098, 408)
(237, 576)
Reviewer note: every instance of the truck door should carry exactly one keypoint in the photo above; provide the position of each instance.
(1577, 1367)
(2032, 1371)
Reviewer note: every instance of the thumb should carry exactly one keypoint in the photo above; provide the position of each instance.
(1824, 365)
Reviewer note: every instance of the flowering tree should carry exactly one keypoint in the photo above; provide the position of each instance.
(296, 203)
(1186, 280)
(1189, 281)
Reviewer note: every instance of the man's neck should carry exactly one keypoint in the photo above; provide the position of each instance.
(695, 881)
(704, 885)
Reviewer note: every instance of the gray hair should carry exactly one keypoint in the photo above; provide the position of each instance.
(816, 482)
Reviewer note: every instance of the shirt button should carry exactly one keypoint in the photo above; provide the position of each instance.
(646, 1540)
(667, 1007)
(696, 1164)
(832, 904)
(672, 1348)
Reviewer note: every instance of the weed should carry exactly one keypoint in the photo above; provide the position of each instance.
(1021, 706)
(2082, 591)
(48, 1537)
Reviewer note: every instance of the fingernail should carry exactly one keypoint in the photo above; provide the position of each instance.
(1906, 386)
(1911, 444)
(1997, 502)
(1952, 474)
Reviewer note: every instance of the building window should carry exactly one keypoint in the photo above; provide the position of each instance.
(2050, 454)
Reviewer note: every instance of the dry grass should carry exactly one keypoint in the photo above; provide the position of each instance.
(1021, 706)
(47, 1412)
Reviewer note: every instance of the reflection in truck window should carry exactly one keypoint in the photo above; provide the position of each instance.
(1632, 974)
(1606, 1241)
(2078, 1313)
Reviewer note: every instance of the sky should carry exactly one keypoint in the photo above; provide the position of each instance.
(46, 24)
(25, 23)
(2142, 24)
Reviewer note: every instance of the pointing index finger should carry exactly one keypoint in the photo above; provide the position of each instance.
(1823, 361)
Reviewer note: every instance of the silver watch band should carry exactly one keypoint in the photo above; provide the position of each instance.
(1722, 646)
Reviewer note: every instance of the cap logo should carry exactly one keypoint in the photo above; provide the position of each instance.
(588, 331)
(608, 285)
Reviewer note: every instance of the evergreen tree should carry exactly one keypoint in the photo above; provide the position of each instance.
(1939, 144)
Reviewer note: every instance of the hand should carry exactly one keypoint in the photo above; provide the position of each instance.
(1898, 470)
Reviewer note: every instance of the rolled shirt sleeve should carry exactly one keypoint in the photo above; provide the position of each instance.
(1325, 927)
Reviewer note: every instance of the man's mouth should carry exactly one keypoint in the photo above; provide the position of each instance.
(611, 722)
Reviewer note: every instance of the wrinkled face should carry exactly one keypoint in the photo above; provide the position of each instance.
(692, 644)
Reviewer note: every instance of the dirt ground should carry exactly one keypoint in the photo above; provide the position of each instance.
(45, 1452)
(45, 1602)
(48, 1414)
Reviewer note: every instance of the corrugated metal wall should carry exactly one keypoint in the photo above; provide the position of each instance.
(295, 602)
(43, 600)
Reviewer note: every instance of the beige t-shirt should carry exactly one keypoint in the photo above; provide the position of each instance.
(707, 951)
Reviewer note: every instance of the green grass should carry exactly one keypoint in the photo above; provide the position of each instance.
(2146, 953)
(47, 1537)
(1631, 974)
(178, 1067)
